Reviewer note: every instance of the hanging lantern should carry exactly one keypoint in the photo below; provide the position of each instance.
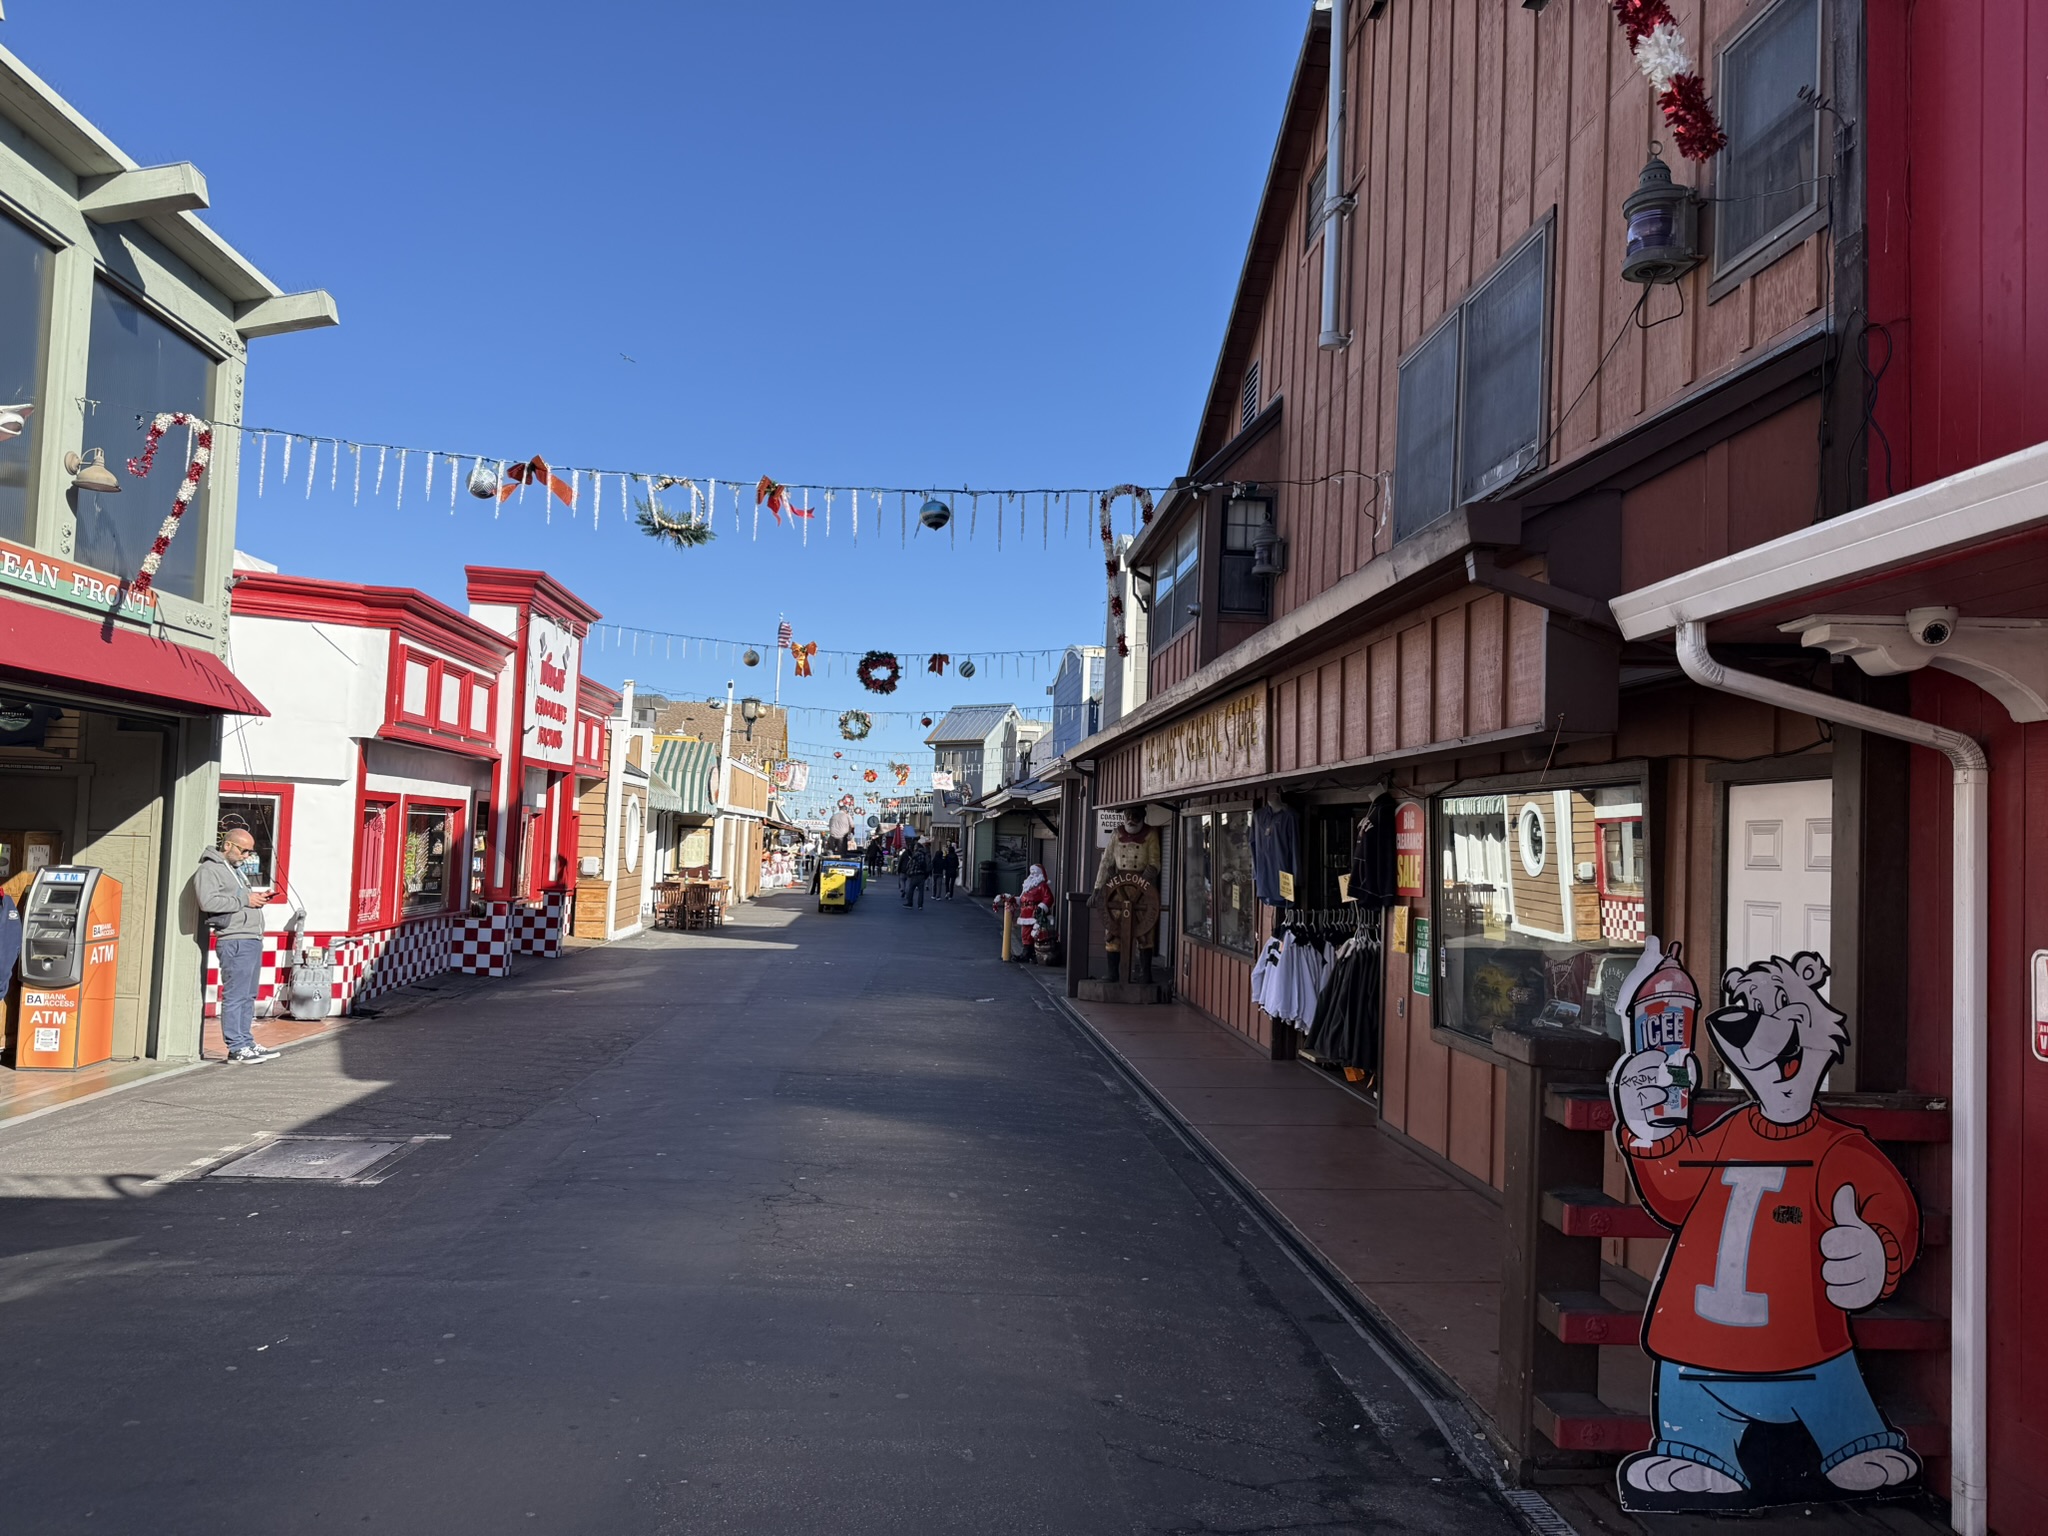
(935, 514)
(752, 658)
(965, 669)
(483, 481)
(1663, 227)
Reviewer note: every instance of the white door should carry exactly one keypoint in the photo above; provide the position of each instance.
(1780, 857)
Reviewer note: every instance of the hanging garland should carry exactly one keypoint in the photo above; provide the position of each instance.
(880, 671)
(202, 455)
(855, 724)
(1660, 53)
(1109, 559)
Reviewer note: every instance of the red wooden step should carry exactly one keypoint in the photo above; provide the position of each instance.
(1886, 1116)
(1579, 1421)
(1586, 1317)
(1590, 1213)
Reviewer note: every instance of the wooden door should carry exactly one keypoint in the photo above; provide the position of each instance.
(1780, 864)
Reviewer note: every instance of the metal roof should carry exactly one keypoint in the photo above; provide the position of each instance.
(687, 767)
(969, 722)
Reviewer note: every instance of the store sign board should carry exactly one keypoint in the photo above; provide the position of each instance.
(1411, 838)
(1419, 978)
(26, 570)
(942, 778)
(553, 663)
(1224, 742)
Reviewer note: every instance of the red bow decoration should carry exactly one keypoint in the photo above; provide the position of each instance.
(938, 662)
(535, 471)
(776, 495)
(803, 654)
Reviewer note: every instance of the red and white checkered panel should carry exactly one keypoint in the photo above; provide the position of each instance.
(1621, 920)
(537, 930)
(483, 945)
(397, 957)
(268, 971)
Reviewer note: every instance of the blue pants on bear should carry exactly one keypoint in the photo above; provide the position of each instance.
(1701, 1414)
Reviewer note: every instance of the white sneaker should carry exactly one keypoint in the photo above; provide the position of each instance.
(249, 1053)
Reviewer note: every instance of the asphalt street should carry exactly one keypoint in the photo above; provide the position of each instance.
(815, 1223)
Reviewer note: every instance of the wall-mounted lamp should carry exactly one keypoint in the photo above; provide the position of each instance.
(90, 473)
(1663, 227)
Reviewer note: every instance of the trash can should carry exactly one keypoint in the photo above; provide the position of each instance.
(985, 878)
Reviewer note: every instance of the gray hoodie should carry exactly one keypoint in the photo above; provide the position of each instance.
(219, 890)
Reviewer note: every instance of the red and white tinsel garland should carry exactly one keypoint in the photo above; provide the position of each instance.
(1116, 603)
(1660, 53)
(202, 455)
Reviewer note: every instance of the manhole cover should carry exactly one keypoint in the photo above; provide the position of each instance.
(310, 1157)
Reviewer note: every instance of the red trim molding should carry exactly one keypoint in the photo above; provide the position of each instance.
(408, 612)
(531, 589)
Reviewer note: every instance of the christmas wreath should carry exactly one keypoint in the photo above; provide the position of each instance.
(871, 775)
(855, 724)
(880, 671)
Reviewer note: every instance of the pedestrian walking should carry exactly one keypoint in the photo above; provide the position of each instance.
(917, 869)
(949, 870)
(231, 909)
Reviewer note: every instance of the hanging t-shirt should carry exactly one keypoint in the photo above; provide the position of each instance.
(1276, 846)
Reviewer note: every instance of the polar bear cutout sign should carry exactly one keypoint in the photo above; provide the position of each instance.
(1784, 1221)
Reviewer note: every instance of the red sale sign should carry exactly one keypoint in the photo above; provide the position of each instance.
(1411, 837)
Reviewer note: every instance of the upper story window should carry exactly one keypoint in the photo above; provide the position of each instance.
(1768, 178)
(24, 312)
(1240, 592)
(436, 695)
(1177, 584)
(135, 367)
(1471, 402)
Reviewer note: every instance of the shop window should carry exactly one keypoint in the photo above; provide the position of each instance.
(429, 849)
(264, 812)
(1768, 177)
(1177, 585)
(1217, 902)
(1471, 395)
(137, 366)
(24, 313)
(451, 699)
(1539, 907)
(414, 689)
(1244, 519)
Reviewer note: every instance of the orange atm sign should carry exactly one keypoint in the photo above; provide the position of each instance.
(44, 1016)
(1411, 838)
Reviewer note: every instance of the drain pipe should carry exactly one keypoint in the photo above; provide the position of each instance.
(1969, 1044)
(1335, 203)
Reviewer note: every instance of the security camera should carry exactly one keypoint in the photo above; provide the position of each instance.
(1931, 626)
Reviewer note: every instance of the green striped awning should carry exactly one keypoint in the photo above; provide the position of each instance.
(687, 766)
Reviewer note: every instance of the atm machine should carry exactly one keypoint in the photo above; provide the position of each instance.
(63, 1010)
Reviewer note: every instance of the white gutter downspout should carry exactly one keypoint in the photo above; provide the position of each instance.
(1335, 203)
(1969, 1044)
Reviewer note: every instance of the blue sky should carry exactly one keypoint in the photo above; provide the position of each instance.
(886, 244)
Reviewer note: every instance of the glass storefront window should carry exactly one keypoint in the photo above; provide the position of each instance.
(1217, 903)
(1197, 919)
(24, 310)
(137, 366)
(1539, 907)
(258, 816)
(427, 832)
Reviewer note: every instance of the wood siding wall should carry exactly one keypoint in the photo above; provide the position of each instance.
(1176, 659)
(1121, 775)
(1466, 666)
(1470, 124)
(1219, 983)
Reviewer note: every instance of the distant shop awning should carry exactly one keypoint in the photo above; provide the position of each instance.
(41, 645)
(687, 768)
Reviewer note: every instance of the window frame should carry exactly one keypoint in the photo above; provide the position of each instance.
(280, 794)
(455, 896)
(1730, 272)
(1163, 631)
(1208, 822)
(39, 382)
(429, 728)
(1225, 555)
(1543, 232)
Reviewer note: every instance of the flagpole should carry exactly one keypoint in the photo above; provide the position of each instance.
(780, 647)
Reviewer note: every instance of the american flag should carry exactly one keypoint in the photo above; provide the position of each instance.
(785, 636)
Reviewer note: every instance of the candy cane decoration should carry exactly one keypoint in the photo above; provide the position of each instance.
(1143, 497)
(202, 455)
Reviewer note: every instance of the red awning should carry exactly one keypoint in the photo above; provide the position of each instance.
(45, 646)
